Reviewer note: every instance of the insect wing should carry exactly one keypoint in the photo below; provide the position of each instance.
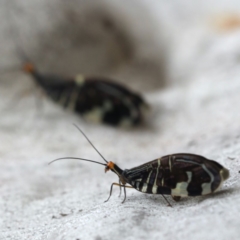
(178, 175)
(191, 175)
(58, 89)
(103, 101)
(147, 178)
(96, 100)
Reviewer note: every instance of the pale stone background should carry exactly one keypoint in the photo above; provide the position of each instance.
(184, 56)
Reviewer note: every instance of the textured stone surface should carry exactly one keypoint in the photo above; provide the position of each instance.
(199, 115)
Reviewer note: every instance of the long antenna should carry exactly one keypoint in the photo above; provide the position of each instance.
(90, 142)
(75, 158)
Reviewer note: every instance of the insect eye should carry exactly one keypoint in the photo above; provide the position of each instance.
(107, 169)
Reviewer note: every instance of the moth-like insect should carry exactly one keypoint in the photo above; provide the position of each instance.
(95, 99)
(178, 175)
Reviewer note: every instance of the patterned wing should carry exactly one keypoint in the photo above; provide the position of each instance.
(195, 175)
(58, 89)
(178, 175)
(105, 101)
(147, 178)
(96, 100)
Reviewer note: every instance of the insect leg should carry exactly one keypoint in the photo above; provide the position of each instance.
(120, 185)
(167, 201)
(120, 188)
(124, 188)
(111, 190)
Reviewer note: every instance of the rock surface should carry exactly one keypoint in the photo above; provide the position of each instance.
(197, 113)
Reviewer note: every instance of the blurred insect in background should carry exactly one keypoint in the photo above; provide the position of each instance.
(178, 175)
(96, 99)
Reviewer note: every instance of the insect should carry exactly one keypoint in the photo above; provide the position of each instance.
(95, 99)
(178, 175)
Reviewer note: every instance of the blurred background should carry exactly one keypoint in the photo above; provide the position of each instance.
(182, 56)
(147, 45)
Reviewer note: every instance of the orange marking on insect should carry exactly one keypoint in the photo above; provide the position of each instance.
(28, 67)
(110, 165)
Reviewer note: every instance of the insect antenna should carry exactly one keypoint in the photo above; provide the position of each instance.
(82, 159)
(75, 158)
(90, 142)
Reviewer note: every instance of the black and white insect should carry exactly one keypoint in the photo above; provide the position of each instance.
(95, 99)
(178, 175)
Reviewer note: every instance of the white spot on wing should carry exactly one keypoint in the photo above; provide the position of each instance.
(126, 122)
(181, 188)
(144, 188)
(155, 187)
(137, 185)
(79, 79)
(206, 187)
(170, 163)
(94, 115)
(224, 173)
(149, 177)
